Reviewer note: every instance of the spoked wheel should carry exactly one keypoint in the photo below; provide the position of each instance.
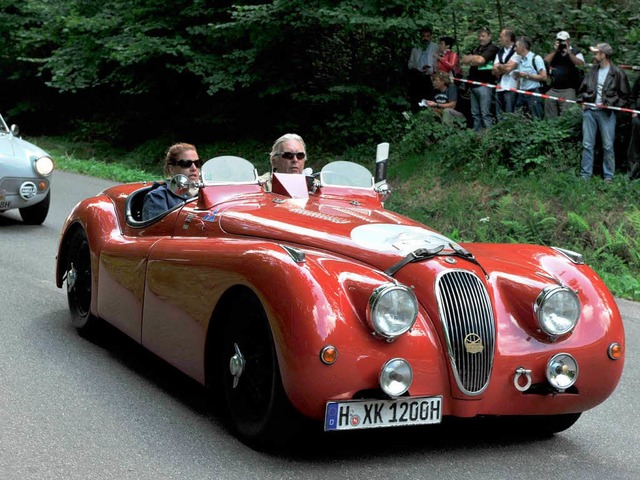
(79, 283)
(259, 409)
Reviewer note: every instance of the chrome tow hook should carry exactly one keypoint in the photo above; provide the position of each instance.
(516, 380)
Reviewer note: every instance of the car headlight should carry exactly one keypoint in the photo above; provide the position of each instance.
(44, 166)
(557, 310)
(392, 310)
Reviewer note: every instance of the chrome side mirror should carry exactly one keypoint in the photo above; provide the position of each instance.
(181, 186)
(15, 130)
(384, 191)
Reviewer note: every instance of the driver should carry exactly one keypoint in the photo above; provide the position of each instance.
(181, 158)
(288, 155)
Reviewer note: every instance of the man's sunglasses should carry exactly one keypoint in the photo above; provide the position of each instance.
(187, 163)
(290, 155)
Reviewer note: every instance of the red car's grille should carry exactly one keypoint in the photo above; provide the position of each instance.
(469, 328)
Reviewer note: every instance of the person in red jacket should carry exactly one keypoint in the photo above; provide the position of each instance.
(447, 60)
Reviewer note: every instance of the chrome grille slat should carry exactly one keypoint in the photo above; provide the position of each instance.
(465, 308)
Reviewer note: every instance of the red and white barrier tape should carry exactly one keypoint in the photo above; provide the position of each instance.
(542, 95)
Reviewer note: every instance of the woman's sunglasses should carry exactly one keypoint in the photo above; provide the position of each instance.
(187, 163)
(290, 155)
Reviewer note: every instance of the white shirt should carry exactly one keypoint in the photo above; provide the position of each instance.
(506, 80)
(423, 56)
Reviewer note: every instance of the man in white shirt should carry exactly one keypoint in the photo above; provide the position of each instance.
(421, 68)
(506, 61)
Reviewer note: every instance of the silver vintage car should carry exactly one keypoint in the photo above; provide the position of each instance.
(25, 173)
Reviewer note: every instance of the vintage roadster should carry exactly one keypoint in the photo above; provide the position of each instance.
(25, 172)
(314, 301)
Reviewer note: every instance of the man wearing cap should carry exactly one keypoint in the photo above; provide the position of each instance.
(564, 63)
(605, 85)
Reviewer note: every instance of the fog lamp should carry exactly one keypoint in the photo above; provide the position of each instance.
(396, 377)
(562, 371)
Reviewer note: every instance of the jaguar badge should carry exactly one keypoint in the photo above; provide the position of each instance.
(473, 343)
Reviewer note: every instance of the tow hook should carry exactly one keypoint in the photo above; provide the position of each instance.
(516, 380)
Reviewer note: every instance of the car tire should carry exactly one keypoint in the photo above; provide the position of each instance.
(258, 407)
(79, 283)
(36, 214)
(541, 425)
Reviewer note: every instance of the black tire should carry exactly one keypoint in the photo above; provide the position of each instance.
(258, 407)
(541, 425)
(36, 214)
(79, 286)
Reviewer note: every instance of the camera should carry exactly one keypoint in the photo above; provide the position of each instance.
(562, 44)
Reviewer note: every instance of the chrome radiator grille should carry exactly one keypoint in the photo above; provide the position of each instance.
(467, 320)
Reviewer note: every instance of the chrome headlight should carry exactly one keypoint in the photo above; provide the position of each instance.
(392, 310)
(44, 166)
(557, 310)
(396, 377)
(562, 371)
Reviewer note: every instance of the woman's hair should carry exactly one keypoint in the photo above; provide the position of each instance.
(173, 152)
(448, 41)
(285, 138)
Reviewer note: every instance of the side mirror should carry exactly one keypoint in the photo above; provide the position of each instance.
(180, 185)
(384, 191)
(15, 130)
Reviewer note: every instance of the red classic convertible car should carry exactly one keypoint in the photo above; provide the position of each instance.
(314, 301)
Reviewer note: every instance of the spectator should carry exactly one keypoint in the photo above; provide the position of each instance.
(633, 153)
(181, 158)
(564, 63)
(288, 155)
(421, 63)
(530, 73)
(505, 62)
(444, 99)
(446, 59)
(481, 61)
(605, 85)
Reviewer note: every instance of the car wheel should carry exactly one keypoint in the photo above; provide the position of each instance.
(35, 214)
(78, 274)
(259, 409)
(542, 425)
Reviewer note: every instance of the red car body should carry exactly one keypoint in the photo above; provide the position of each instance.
(308, 263)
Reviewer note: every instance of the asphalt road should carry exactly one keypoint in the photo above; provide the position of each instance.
(75, 409)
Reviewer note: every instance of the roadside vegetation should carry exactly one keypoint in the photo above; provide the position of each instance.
(516, 183)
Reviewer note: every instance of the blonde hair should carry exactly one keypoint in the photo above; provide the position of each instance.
(275, 150)
(444, 76)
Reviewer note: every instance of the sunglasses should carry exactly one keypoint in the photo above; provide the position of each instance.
(187, 163)
(290, 155)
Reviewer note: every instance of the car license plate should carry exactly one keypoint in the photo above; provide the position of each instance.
(5, 204)
(359, 414)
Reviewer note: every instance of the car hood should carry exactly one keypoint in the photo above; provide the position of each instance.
(375, 236)
(11, 146)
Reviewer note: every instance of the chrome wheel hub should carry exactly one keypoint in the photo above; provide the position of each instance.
(236, 365)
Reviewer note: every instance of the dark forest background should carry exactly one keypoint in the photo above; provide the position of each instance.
(127, 71)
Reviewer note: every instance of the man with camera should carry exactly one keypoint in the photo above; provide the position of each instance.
(564, 63)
